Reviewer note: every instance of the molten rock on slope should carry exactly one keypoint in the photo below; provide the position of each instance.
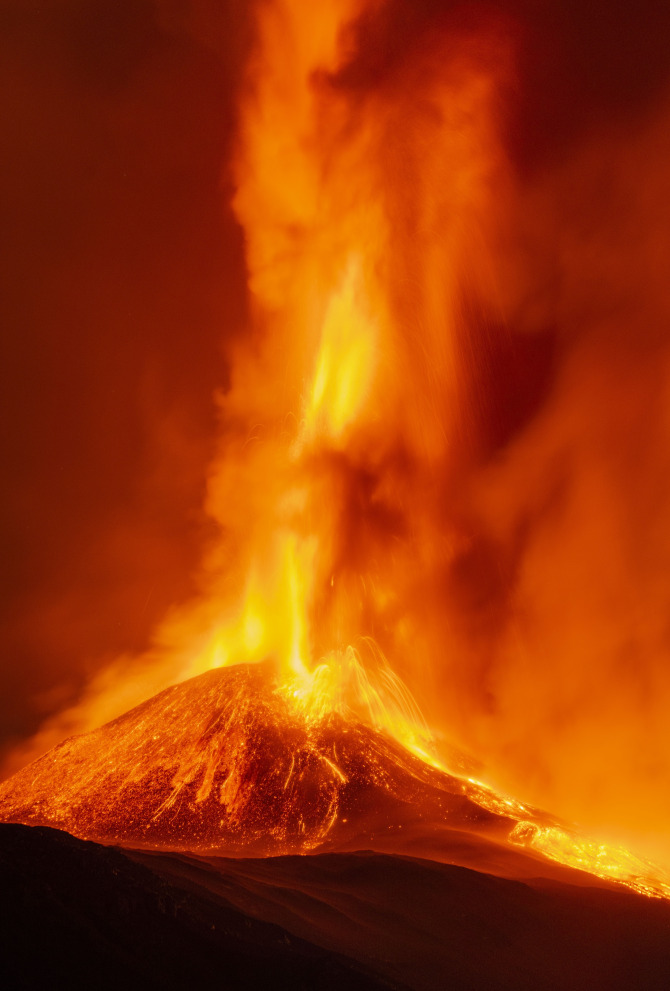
(230, 763)
(226, 761)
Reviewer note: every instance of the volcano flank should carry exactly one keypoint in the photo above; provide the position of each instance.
(226, 761)
(211, 787)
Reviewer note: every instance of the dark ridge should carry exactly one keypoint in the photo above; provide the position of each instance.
(76, 915)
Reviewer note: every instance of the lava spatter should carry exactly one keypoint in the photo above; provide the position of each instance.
(225, 760)
(230, 762)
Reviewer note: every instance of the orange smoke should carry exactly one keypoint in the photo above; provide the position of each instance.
(387, 485)
(365, 212)
(580, 675)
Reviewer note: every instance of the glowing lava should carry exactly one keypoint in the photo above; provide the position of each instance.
(228, 762)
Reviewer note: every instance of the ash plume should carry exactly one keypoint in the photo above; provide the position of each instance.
(550, 480)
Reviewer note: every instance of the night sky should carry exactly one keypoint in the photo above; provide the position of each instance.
(123, 288)
(122, 278)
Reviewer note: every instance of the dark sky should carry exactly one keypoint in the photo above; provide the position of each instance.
(122, 276)
(123, 283)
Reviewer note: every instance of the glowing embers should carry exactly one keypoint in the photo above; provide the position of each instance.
(612, 862)
(228, 761)
(370, 694)
(231, 762)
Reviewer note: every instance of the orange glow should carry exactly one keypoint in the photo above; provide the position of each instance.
(236, 763)
(347, 489)
(368, 215)
(362, 210)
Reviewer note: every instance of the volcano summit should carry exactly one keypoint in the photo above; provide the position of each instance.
(228, 763)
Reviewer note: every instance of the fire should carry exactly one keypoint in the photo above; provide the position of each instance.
(345, 365)
(362, 210)
(372, 214)
(369, 214)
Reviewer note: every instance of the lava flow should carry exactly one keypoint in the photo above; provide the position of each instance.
(370, 201)
(229, 763)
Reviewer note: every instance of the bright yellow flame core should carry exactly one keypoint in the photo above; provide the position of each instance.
(345, 365)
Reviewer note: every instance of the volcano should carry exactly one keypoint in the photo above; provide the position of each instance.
(225, 761)
(227, 764)
(414, 872)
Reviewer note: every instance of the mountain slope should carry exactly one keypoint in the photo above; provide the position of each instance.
(76, 915)
(224, 761)
(229, 763)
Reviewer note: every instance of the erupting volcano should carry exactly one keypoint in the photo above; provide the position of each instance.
(298, 704)
(232, 763)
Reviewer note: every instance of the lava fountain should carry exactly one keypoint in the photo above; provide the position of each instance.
(371, 202)
(368, 212)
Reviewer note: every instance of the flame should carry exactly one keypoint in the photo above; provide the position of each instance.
(373, 215)
(369, 214)
(361, 210)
